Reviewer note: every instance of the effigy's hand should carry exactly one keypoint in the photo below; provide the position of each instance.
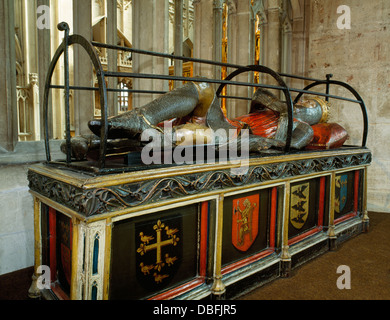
(258, 144)
(80, 145)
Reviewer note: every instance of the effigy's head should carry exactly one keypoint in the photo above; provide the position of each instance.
(312, 110)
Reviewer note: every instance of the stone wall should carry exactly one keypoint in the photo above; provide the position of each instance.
(16, 227)
(359, 56)
(16, 204)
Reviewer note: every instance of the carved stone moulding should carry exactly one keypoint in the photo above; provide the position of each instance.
(100, 200)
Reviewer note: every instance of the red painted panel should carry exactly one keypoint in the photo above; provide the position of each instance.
(249, 260)
(52, 244)
(304, 235)
(272, 225)
(356, 191)
(346, 217)
(178, 291)
(321, 202)
(203, 238)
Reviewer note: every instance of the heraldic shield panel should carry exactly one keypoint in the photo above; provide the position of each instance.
(347, 191)
(307, 207)
(246, 219)
(153, 253)
(57, 234)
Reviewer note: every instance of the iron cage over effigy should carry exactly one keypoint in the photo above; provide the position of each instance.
(122, 230)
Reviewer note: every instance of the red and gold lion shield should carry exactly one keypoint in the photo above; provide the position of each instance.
(245, 221)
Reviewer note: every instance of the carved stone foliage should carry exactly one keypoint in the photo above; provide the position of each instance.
(102, 200)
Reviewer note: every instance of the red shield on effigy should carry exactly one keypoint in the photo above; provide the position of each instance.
(245, 222)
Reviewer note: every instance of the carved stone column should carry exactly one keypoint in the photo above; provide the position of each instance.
(274, 40)
(112, 55)
(263, 39)
(178, 41)
(217, 35)
(203, 36)
(286, 49)
(231, 53)
(8, 110)
(298, 49)
(239, 47)
(83, 70)
(150, 32)
(44, 58)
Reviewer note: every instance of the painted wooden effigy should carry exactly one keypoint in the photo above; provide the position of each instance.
(122, 230)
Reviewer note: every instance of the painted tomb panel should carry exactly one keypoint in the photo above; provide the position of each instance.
(154, 253)
(57, 235)
(308, 208)
(249, 227)
(348, 192)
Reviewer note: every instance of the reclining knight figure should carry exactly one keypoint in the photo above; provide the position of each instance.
(194, 109)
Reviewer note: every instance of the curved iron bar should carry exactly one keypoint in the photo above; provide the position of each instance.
(68, 41)
(63, 26)
(282, 84)
(353, 91)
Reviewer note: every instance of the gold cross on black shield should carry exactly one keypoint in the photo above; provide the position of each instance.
(145, 246)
